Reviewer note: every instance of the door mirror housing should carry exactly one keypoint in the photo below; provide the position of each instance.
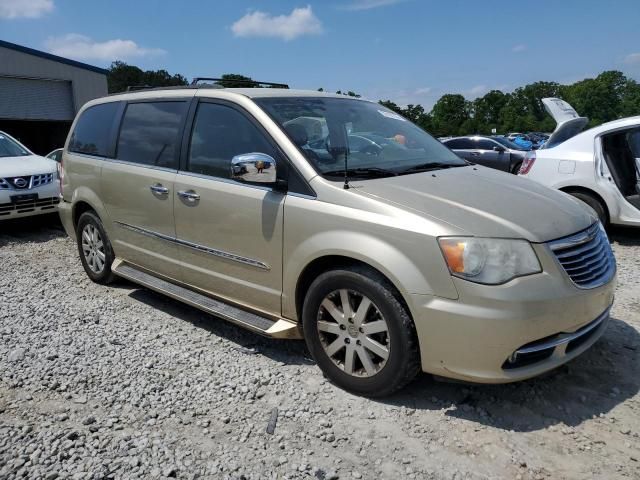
(256, 168)
(498, 148)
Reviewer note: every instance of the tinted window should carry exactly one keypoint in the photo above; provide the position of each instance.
(459, 144)
(91, 134)
(484, 144)
(633, 138)
(219, 134)
(150, 133)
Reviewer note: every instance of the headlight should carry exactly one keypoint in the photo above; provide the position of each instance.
(489, 260)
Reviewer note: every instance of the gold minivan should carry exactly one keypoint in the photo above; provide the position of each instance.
(300, 214)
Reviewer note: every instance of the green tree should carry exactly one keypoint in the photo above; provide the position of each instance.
(598, 98)
(630, 102)
(120, 76)
(235, 80)
(449, 113)
(487, 109)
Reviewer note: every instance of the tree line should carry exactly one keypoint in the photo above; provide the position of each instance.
(608, 96)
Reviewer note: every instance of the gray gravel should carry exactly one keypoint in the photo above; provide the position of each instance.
(119, 382)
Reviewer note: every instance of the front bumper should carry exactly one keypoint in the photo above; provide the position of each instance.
(506, 333)
(65, 210)
(48, 196)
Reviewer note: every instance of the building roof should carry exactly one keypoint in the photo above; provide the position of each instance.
(54, 58)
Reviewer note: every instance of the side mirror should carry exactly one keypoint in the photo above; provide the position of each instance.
(498, 149)
(257, 168)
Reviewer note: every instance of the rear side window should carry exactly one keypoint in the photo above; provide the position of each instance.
(219, 134)
(149, 133)
(484, 144)
(459, 144)
(91, 135)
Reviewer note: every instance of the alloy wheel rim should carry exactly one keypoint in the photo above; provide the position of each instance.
(353, 333)
(93, 248)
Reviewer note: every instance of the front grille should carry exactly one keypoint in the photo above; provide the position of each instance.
(586, 257)
(25, 206)
(25, 182)
(42, 179)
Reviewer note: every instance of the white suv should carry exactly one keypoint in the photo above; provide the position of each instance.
(29, 183)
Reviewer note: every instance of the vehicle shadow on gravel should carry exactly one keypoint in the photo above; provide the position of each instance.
(284, 351)
(627, 236)
(590, 385)
(41, 228)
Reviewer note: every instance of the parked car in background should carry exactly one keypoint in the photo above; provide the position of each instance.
(28, 182)
(600, 166)
(56, 155)
(494, 152)
(523, 142)
(538, 139)
(389, 256)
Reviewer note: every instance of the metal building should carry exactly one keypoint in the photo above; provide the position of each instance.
(40, 94)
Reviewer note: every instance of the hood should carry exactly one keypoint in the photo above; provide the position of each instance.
(569, 123)
(485, 203)
(27, 165)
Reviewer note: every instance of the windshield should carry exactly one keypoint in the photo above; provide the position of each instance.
(374, 140)
(11, 148)
(505, 142)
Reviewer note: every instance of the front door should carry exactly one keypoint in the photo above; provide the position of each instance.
(229, 233)
(138, 186)
(484, 154)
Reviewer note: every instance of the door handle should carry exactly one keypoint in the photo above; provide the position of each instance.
(189, 195)
(159, 189)
(475, 154)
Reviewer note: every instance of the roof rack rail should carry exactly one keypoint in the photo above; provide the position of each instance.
(221, 81)
(133, 88)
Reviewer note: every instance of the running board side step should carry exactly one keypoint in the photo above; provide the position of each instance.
(280, 328)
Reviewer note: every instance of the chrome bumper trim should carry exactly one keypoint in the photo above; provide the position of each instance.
(563, 338)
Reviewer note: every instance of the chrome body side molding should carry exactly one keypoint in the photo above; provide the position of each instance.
(195, 246)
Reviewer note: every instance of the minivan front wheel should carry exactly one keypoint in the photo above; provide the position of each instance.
(95, 249)
(359, 333)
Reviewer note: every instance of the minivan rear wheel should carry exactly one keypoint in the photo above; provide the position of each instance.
(95, 249)
(359, 333)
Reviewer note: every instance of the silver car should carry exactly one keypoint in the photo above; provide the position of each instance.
(301, 214)
(493, 152)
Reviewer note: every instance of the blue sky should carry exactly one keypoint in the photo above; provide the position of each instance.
(409, 51)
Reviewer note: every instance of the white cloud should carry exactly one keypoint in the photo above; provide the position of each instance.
(24, 8)
(478, 90)
(422, 91)
(81, 47)
(301, 21)
(368, 4)
(632, 58)
(518, 48)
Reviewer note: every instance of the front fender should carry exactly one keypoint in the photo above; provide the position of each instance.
(429, 278)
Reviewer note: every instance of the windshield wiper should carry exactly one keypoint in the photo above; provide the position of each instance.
(362, 172)
(425, 167)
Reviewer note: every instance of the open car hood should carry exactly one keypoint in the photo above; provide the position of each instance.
(569, 123)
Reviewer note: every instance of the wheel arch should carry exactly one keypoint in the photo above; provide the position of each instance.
(588, 191)
(85, 199)
(333, 262)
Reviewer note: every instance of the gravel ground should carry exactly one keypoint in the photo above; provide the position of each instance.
(119, 382)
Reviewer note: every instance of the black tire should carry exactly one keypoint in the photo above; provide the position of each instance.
(516, 168)
(105, 275)
(403, 361)
(594, 203)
